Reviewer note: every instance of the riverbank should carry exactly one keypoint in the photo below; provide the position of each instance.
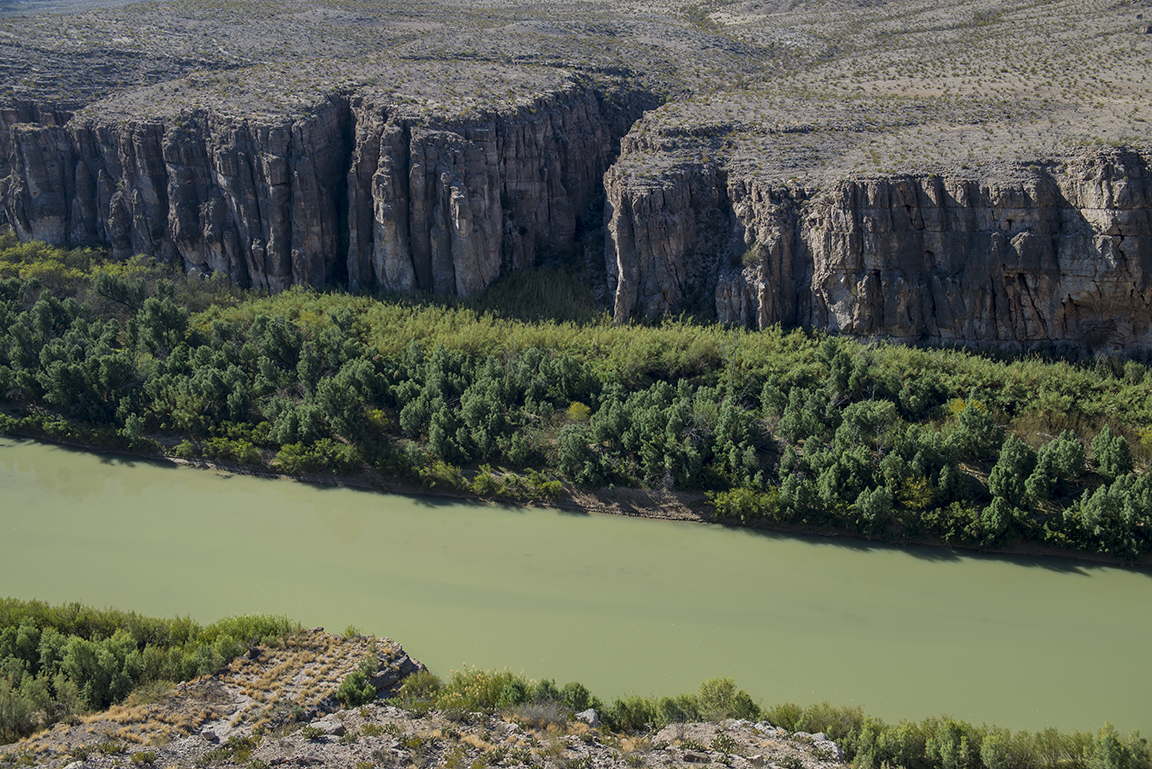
(652, 504)
(624, 605)
(278, 706)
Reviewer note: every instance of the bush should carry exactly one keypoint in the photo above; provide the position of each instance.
(235, 450)
(440, 474)
(356, 689)
(631, 714)
(1111, 454)
(476, 691)
(1008, 478)
(325, 455)
(745, 505)
(683, 708)
(72, 657)
(576, 696)
(421, 687)
(720, 699)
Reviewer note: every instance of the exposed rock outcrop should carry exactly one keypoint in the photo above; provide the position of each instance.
(1056, 257)
(786, 176)
(355, 192)
(275, 708)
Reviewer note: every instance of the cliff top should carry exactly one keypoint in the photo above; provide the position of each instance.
(823, 87)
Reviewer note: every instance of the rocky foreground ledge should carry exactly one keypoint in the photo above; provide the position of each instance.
(276, 707)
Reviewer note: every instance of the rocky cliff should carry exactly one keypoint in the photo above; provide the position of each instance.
(903, 169)
(356, 191)
(1048, 257)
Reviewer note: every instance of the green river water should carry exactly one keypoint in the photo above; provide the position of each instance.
(622, 605)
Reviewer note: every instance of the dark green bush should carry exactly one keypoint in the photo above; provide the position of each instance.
(355, 690)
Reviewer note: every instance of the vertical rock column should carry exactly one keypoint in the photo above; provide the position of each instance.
(655, 229)
(38, 194)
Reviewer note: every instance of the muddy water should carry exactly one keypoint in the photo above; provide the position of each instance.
(621, 605)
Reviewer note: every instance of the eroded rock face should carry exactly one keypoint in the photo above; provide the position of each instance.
(1059, 258)
(354, 193)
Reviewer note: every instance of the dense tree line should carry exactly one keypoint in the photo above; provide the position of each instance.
(778, 427)
(57, 662)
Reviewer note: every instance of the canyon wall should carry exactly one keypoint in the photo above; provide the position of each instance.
(1047, 258)
(354, 193)
(357, 193)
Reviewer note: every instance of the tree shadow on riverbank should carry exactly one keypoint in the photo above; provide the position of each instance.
(1037, 558)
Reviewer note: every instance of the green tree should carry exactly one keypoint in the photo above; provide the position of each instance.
(161, 324)
(1111, 454)
(1016, 463)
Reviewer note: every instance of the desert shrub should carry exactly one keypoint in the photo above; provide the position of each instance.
(101, 353)
(475, 690)
(325, 455)
(356, 689)
(422, 686)
(719, 699)
(976, 433)
(1008, 478)
(631, 714)
(683, 708)
(234, 450)
(745, 505)
(1111, 454)
(440, 474)
(576, 696)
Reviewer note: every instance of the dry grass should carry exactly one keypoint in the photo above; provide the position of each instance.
(307, 670)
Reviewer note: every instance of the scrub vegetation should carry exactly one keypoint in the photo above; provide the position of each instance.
(934, 743)
(804, 89)
(58, 662)
(777, 427)
(40, 642)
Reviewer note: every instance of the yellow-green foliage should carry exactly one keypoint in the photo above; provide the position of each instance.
(677, 347)
(474, 690)
(579, 412)
(779, 425)
(510, 485)
(746, 505)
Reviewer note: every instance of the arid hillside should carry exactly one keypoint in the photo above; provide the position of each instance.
(276, 707)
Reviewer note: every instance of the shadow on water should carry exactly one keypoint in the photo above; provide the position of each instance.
(106, 457)
(1053, 563)
(121, 460)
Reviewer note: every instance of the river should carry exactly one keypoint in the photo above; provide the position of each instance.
(622, 605)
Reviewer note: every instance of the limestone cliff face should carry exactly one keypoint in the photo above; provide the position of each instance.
(357, 192)
(449, 208)
(1050, 258)
(654, 233)
(354, 193)
(258, 202)
(22, 113)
